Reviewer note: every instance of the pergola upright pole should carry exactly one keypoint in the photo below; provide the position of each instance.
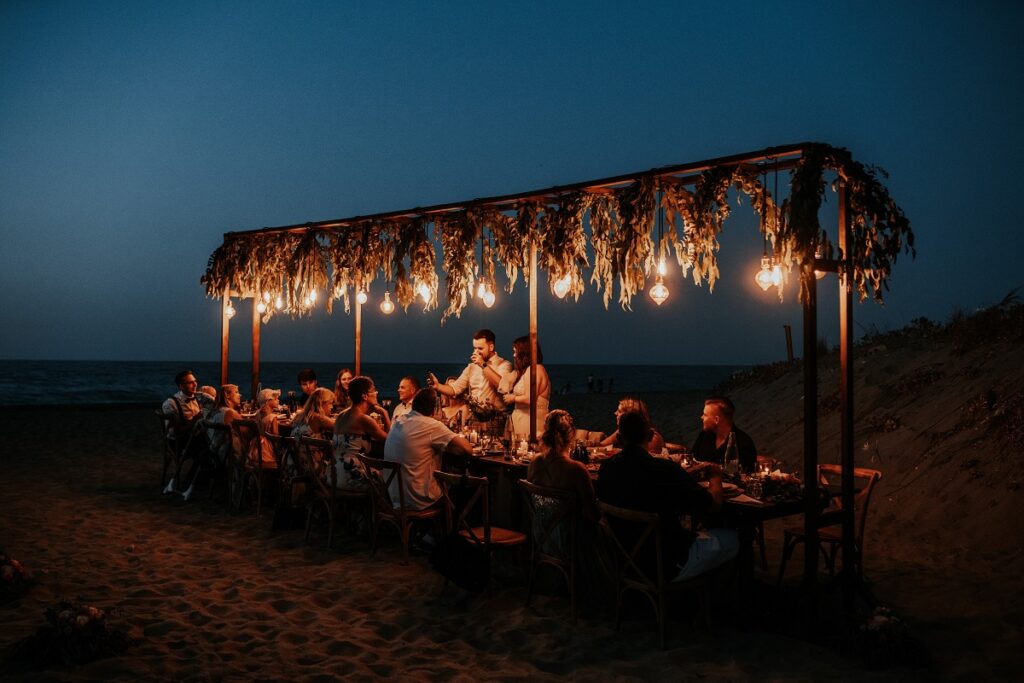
(533, 343)
(811, 500)
(225, 326)
(850, 550)
(359, 338)
(255, 378)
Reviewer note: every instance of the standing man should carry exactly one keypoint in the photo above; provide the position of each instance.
(716, 424)
(407, 388)
(482, 376)
(418, 441)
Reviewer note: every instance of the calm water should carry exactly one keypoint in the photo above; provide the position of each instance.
(69, 382)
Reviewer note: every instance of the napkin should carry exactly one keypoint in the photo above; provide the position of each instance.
(744, 498)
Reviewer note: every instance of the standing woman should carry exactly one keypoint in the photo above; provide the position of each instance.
(341, 398)
(361, 429)
(315, 418)
(516, 389)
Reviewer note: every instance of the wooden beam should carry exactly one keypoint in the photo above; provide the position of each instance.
(810, 469)
(850, 560)
(359, 338)
(533, 342)
(254, 385)
(225, 328)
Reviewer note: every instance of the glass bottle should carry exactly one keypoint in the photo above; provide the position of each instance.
(732, 456)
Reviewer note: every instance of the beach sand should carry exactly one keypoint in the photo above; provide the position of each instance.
(214, 596)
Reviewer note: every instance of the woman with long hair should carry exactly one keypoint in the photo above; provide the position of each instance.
(655, 444)
(315, 418)
(360, 429)
(341, 398)
(516, 389)
(554, 468)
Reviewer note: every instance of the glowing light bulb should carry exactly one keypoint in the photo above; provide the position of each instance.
(229, 312)
(387, 307)
(819, 254)
(776, 274)
(488, 297)
(481, 290)
(424, 292)
(266, 297)
(764, 276)
(661, 267)
(278, 302)
(659, 292)
(562, 285)
(361, 297)
(312, 297)
(261, 308)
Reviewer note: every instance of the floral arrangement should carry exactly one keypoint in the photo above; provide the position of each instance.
(883, 640)
(291, 264)
(74, 633)
(15, 578)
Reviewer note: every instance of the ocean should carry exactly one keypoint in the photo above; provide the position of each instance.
(27, 382)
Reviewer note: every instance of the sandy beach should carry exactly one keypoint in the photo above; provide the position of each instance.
(214, 596)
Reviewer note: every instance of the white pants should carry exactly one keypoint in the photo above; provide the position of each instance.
(711, 548)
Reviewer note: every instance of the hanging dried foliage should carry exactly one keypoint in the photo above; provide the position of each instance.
(678, 204)
(458, 242)
(632, 249)
(307, 273)
(604, 226)
(879, 228)
(563, 241)
(511, 244)
(412, 244)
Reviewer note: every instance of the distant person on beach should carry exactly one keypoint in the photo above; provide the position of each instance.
(315, 417)
(717, 422)
(418, 442)
(407, 388)
(341, 399)
(359, 430)
(630, 404)
(515, 387)
(307, 384)
(635, 480)
(482, 377)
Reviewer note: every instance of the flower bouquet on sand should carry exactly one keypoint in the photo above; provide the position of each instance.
(74, 633)
(884, 640)
(15, 578)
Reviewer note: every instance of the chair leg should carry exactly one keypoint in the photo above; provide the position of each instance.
(789, 545)
(759, 536)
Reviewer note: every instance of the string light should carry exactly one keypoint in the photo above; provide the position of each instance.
(312, 296)
(562, 285)
(266, 297)
(764, 276)
(278, 302)
(387, 307)
(659, 292)
(361, 297)
(229, 310)
(261, 308)
(488, 297)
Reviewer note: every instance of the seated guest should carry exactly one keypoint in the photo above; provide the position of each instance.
(360, 429)
(269, 402)
(207, 397)
(315, 417)
(407, 388)
(418, 441)
(515, 389)
(225, 411)
(307, 384)
(554, 468)
(629, 404)
(716, 425)
(636, 480)
(341, 399)
(181, 411)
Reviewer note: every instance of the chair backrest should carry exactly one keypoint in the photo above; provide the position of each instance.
(317, 459)
(866, 479)
(280, 444)
(165, 428)
(460, 512)
(380, 474)
(636, 529)
(245, 433)
(553, 524)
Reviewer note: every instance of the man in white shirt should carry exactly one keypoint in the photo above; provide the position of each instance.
(418, 441)
(407, 388)
(183, 406)
(482, 376)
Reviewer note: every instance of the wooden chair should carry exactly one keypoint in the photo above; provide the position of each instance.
(221, 475)
(381, 474)
(553, 524)
(243, 438)
(260, 474)
(336, 503)
(294, 477)
(830, 531)
(477, 506)
(630, 576)
(176, 451)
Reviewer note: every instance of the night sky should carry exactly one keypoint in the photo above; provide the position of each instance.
(134, 134)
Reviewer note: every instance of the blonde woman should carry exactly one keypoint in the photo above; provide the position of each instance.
(655, 444)
(315, 418)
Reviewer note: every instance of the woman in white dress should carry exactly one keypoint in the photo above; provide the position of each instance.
(515, 387)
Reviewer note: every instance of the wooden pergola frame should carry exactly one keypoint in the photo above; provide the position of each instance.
(782, 158)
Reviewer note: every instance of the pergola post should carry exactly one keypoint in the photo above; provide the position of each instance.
(359, 339)
(225, 326)
(850, 551)
(255, 378)
(811, 498)
(533, 343)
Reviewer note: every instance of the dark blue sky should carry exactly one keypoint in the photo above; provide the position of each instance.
(133, 135)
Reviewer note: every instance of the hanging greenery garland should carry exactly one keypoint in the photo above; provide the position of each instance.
(603, 228)
(458, 239)
(563, 241)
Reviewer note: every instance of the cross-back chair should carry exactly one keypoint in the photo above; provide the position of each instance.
(554, 516)
(381, 474)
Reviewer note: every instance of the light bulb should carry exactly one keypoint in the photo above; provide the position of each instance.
(306, 303)
(261, 308)
(361, 297)
(764, 276)
(481, 290)
(229, 312)
(659, 292)
(266, 297)
(312, 296)
(661, 267)
(278, 302)
(424, 291)
(776, 275)
(562, 285)
(819, 254)
(488, 297)
(386, 306)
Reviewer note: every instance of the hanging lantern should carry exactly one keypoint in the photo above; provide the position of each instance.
(562, 285)
(229, 310)
(361, 297)
(261, 308)
(659, 292)
(387, 307)
(764, 276)
(488, 297)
